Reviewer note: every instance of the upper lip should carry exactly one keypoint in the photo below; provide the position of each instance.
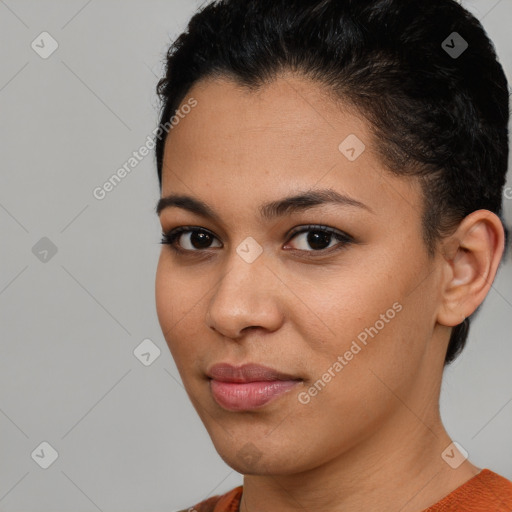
(249, 372)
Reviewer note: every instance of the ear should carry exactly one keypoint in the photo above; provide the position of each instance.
(471, 259)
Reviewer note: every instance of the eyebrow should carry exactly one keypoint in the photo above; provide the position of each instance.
(268, 211)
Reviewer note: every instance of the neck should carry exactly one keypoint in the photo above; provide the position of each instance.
(399, 467)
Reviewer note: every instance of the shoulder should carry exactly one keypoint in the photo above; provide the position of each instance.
(228, 502)
(487, 491)
(502, 487)
(489, 483)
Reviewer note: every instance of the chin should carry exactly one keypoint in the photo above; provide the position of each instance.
(246, 458)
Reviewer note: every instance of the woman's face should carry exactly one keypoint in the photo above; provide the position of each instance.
(357, 318)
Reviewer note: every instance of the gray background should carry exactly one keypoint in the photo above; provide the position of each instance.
(126, 435)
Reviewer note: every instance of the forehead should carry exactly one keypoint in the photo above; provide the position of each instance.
(289, 108)
(289, 135)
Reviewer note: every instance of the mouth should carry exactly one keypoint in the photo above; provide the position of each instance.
(249, 372)
(248, 387)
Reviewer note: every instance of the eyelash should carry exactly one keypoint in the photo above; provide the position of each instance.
(170, 238)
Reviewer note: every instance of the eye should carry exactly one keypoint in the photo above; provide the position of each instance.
(198, 239)
(320, 238)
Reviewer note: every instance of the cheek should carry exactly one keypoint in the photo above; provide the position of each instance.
(178, 303)
(339, 307)
(163, 294)
(171, 305)
(173, 294)
(354, 385)
(373, 322)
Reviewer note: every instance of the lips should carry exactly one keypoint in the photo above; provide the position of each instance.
(225, 372)
(248, 387)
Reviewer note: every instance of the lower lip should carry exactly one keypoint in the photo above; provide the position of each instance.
(245, 396)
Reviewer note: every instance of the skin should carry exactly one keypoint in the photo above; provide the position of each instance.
(373, 436)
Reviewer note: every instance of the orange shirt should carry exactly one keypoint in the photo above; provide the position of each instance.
(485, 492)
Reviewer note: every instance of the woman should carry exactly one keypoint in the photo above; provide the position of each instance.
(331, 182)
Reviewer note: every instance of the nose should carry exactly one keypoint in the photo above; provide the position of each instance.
(248, 296)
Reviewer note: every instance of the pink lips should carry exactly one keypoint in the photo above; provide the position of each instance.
(249, 386)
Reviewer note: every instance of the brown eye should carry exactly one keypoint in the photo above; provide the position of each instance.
(198, 240)
(319, 238)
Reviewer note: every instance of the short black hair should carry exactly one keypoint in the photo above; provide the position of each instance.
(437, 109)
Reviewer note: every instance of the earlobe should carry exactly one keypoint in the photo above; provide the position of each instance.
(471, 258)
